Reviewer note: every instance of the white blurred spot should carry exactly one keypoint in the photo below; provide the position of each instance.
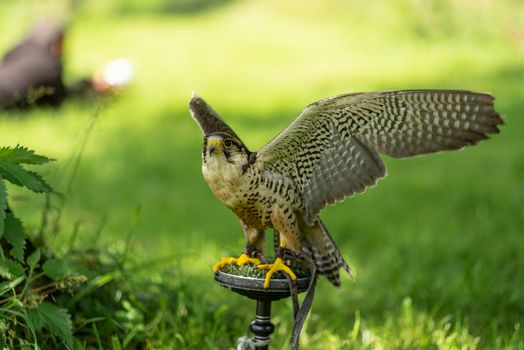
(118, 72)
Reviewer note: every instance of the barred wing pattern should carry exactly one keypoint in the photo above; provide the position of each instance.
(331, 150)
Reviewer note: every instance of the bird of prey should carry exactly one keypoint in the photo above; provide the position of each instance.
(329, 152)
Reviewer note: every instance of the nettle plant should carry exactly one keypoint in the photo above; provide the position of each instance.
(28, 278)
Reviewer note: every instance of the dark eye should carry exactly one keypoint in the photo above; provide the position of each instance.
(228, 143)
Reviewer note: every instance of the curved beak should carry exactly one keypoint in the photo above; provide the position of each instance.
(213, 146)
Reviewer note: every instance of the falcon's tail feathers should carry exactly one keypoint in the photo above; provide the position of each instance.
(327, 258)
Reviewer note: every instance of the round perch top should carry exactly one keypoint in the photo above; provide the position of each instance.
(253, 287)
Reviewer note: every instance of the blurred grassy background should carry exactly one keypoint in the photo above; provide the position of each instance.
(437, 247)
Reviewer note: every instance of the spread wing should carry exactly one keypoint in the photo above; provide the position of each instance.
(331, 150)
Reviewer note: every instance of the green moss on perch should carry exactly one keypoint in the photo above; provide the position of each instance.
(300, 268)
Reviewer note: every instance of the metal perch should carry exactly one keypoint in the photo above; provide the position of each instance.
(253, 288)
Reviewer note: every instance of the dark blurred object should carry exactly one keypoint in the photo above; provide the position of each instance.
(31, 74)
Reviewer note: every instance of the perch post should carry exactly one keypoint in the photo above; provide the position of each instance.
(253, 288)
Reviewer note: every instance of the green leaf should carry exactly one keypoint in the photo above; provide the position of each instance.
(14, 233)
(10, 268)
(57, 269)
(21, 177)
(41, 179)
(4, 270)
(8, 285)
(54, 319)
(33, 259)
(3, 205)
(9, 177)
(22, 155)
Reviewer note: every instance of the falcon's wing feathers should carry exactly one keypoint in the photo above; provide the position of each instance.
(331, 149)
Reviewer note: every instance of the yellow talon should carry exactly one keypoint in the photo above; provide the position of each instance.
(241, 260)
(277, 265)
(222, 262)
(245, 259)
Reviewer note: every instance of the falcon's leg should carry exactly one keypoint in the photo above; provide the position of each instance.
(285, 224)
(277, 265)
(254, 247)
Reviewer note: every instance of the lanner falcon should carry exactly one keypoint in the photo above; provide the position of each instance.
(329, 152)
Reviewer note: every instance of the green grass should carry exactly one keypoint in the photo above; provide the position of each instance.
(437, 247)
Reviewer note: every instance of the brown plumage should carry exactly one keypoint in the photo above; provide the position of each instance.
(330, 152)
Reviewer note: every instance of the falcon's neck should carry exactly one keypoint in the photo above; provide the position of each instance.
(226, 178)
(218, 168)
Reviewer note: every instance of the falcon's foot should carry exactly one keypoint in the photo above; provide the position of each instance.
(241, 260)
(277, 265)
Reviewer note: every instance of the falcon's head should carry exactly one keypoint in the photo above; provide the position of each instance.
(222, 147)
(223, 150)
